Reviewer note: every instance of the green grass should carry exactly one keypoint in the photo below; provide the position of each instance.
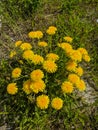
(76, 18)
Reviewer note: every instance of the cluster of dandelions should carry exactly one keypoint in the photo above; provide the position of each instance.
(39, 65)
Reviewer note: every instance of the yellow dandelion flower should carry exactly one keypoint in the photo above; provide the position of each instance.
(51, 30)
(12, 54)
(18, 43)
(71, 66)
(12, 88)
(26, 87)
(67, 87)
(37, 86)
(37, 75)
(39, 34)
(26, 46)
(28, 54)
(16, 72)
(42, 44)
(68, 39)
(76, 55)
(86, 58)
(32, 34)
(42, 101)
(66, 47)
(79, 71)
(73, 78)
(81, 85)
(37, 59)
(52, 56)
(35, 34)
(50, 66)
(57, 103)
(83, 51)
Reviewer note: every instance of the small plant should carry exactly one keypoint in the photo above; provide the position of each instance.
(44, 77)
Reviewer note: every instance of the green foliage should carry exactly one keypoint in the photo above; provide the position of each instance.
(19, 8)
(22, 106)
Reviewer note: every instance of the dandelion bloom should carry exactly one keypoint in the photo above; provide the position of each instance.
(42, 101)
(57, 103)
(52, 56)
(12, 88)
(12, 53)
(76, 55)
(16, 72)
(66, 47)
(32, 34)
(36, 34)
(83, 51)
(67, 87)
(86, 58)
(81, 85)
(26, 86)
(18, 43)
(71, 65)
(51, 30)
(28, 54)
(79, 71)
(37, 59)
(68, 39)
(26, 46)
(73, 78)
(39, 34)
(37, 86)
(37, 75)
(50, 66)
(42, 44)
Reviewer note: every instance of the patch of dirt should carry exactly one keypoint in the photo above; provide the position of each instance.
(89, 95)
